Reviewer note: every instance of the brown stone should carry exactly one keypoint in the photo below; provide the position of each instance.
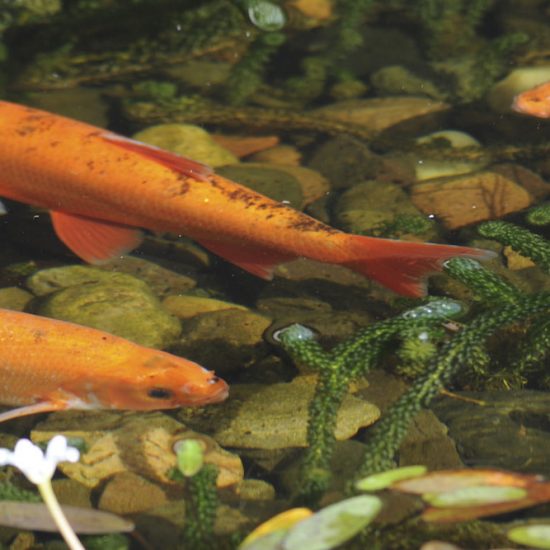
(281, 154)
(142, 444)
(242, 146)
(470, 198)
(515, 261)
(524, 177)
(129, 493)
(380, 113)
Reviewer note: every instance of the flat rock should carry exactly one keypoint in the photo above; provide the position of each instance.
(127, 442)
(186, 306)
(276, 416)
(377, 114)
(470, 198)
(275, 182)
(129, 493)
(510, 430)
(373, 205)
(224, 340)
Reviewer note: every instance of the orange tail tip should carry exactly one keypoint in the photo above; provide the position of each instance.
(404, 266)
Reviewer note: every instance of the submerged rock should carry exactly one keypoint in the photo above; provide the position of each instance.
(15, 298)
(129, 493)
(508, 430)
(276, 416)
(224, 340)
(275, 182)
(115, 302)
(470, 198)
(189, 141)
(161, 280)
(185, 306)
(380, 113)
(373, 205)
(142, 444)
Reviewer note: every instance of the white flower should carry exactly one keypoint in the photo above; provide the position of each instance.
(37, 466)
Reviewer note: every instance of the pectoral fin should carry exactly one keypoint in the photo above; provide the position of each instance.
(35, 408)
(95, 241)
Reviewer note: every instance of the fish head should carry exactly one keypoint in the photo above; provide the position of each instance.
(535, 102)
(159, 381)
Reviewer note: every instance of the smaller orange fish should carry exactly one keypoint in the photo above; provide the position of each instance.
(50, 365)
(534, 102)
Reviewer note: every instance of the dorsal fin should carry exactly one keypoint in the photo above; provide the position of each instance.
(188, 167)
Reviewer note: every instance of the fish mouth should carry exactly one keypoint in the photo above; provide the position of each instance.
(197, 396)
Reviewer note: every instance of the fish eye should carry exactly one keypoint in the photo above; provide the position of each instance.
(160, 393)
(214, 380)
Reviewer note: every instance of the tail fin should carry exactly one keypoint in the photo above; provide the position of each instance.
(403, 266)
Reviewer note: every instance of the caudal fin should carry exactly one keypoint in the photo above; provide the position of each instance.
(403, 266)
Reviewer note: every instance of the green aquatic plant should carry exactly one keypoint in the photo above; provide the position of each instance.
(449, 26)
(423, 351)
(247, 75)
(521, 240)
(336, 369)
(505, 306)
(201, 502)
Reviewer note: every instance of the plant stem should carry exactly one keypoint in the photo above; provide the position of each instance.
(46, 491)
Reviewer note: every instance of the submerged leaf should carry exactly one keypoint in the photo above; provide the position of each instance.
(382, 480)
(450, 480)
(333, 525)
(474, 496)
(535, 535)
(36, 517)
(280, 523)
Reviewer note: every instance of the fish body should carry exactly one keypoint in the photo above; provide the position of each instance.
(49, 365)
(101, 188)
(534, 102)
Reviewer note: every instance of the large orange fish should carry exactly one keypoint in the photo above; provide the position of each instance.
(49, 365)
(101, 188)
(535, 102)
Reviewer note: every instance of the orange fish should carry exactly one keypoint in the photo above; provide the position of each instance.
(535, 102)
(101, 187)
(49, 365)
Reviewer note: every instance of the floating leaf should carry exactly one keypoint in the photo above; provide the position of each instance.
(536, 491)
(534, 535)
(333, 525)
(36, 517)
(281, 522)
(475, 496)
(388, 478)
(450, 480)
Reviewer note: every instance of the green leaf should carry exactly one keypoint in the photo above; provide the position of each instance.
(333, 525)
(474, 496)
(536, 536)
(388, 478)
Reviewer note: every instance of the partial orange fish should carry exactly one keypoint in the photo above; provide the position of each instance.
(101, 187)
(535, 102)
(49, 365)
